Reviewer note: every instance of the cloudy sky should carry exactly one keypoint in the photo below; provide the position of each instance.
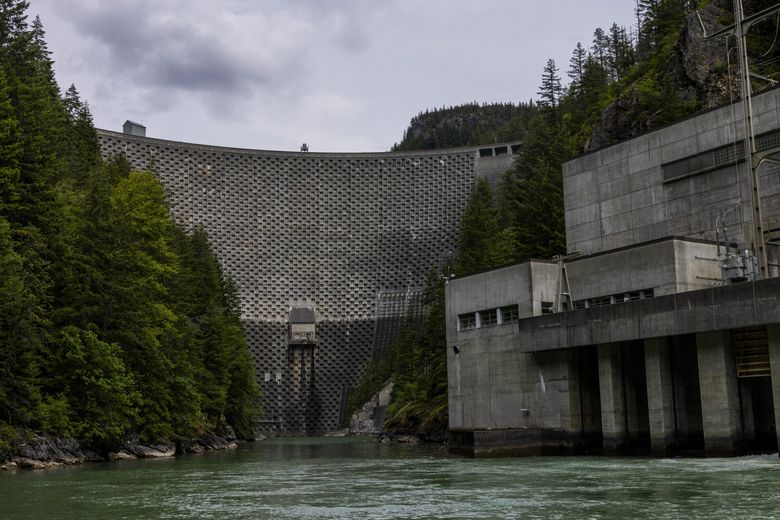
(341, 75)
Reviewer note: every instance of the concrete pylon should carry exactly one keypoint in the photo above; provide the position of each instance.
(660, 398)
(613, 401)
(720, 407)
(773, 336)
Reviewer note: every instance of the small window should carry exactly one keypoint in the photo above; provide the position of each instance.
(633, 295)
(500, 150)
(486, 152)
(580, 304)
(547, 308)
(600, 302)
(488, 318)
(509, 314)
(648, 293)
(467, 321)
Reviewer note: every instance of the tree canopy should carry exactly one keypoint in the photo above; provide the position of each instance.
(114, 321)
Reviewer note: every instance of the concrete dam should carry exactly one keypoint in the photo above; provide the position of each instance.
(329, 250)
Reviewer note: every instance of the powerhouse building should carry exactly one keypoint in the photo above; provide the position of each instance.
(657, 332)
(329, 250)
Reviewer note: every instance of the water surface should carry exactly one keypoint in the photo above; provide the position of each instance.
(348, 478)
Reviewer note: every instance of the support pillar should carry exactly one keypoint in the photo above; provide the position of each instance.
(613, 402)
(719, 394)
(773, 337)
(660, 398)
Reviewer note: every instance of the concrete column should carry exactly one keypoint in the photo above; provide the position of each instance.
(613, 403)
(748, 418)
(773, 335)
(720, 408)
(660, 398)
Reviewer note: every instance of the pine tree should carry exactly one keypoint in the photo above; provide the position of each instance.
(577, 65)
(479, 228)
(550, 89)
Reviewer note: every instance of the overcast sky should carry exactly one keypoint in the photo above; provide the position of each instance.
(341, 75)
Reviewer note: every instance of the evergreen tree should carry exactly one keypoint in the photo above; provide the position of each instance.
(479, 228)
(577, 65)
(550, 89)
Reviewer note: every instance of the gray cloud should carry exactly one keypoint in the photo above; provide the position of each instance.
(339, 74)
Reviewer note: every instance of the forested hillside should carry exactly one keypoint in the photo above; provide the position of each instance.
(114, 321)
(624, 82)
(465, 125)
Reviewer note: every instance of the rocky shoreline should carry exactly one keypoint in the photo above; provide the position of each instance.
(42, 451)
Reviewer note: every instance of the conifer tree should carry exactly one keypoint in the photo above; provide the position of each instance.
(550, 89)
(577, 65)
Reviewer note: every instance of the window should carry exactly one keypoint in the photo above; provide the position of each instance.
(509, 314)
(488, 318)
(547, 308)
(633, 295)
(467, 321)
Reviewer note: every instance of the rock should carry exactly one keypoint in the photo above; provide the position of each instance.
(25, 463)
(8, 466)
(369, 420)
(696, 75)
(338, 433)
(150, 452)
(121, 455)
(50, 449)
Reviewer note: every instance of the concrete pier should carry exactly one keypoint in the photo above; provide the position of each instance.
(613, 400)
(719, 394)
(773, 337)
(660, 398)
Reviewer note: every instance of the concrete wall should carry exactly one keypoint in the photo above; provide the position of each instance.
(666, 266)
(492, 384)
(617, 196)
(527, 285)
(352, 234)
(495, 385)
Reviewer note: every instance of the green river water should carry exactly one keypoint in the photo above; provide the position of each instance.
(348, 478)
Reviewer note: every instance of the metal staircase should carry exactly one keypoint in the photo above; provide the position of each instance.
(751, 349)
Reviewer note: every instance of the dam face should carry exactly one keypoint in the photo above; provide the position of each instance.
(349, 236)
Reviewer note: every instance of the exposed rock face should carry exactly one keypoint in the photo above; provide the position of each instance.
(41, 451)
(370, 419)
(695, 72)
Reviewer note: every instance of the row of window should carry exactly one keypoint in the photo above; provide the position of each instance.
(614, 298)
(510, 313)
(488, 317)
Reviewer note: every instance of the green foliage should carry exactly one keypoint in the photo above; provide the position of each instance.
(466, 125)
(19, 336)
(419, 371)
(113, 321)
(479, 228)
(55, 415)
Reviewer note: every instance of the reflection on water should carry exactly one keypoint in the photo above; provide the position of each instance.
(348, 478)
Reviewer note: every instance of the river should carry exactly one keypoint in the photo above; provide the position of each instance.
(355, 478)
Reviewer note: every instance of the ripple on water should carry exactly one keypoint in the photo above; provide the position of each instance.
(345, 479)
